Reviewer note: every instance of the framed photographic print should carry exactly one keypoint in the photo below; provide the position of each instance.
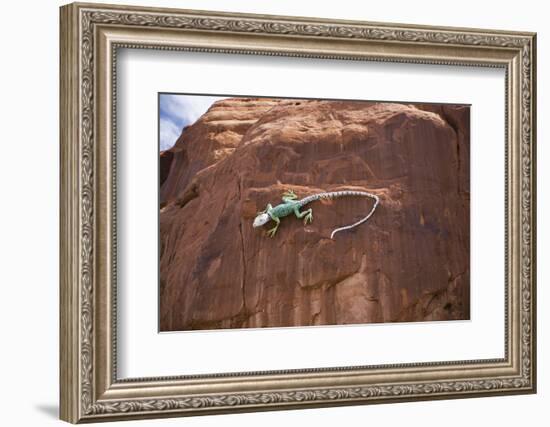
(405, 165)
(266, 212)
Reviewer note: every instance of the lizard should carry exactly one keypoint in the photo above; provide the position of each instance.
(291, 205)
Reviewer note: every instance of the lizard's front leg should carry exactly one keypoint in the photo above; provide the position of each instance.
(267, 208)
(308, 215)
(271, 232)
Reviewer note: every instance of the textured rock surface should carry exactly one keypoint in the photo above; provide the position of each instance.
(165, 163)
(409, 262)
(214, 136)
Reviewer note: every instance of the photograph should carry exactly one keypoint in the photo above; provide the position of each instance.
(289, 212)
(262, 211)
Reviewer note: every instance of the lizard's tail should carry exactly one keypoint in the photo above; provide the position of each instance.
(361, 221)
(336, 194)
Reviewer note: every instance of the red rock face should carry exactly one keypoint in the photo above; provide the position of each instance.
(409, 262)
(214, 136)
(166, 158)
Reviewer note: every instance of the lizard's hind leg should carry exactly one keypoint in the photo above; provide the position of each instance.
(308, 214)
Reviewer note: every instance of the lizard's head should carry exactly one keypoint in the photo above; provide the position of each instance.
(261, 220)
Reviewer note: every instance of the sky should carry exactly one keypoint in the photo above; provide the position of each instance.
(178, 111)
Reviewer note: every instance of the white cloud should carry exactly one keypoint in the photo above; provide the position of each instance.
(169, 133)
(178, 111)
(188, 107)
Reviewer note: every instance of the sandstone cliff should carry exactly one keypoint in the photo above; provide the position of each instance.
(409, 262)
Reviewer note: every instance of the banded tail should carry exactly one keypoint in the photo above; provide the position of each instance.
(344, 193)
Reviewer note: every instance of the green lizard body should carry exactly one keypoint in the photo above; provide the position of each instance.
(291, 205)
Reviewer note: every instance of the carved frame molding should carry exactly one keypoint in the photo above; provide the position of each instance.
(90, 36)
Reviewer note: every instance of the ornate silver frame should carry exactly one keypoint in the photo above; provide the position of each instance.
(90, 36)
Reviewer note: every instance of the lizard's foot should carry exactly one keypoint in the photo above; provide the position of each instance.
(309, 217)
(289, 194)
(271, 232)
